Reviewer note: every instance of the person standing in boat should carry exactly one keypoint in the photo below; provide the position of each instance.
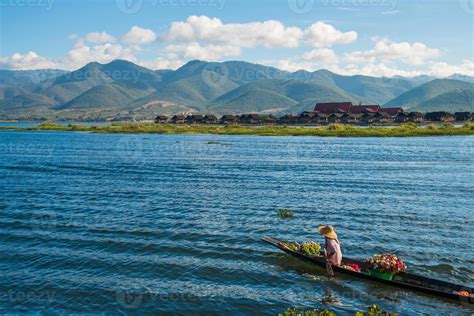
(331, 245)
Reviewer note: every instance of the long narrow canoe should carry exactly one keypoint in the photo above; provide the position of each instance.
(401, 280)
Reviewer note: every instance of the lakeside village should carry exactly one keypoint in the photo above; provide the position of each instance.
(326, 113)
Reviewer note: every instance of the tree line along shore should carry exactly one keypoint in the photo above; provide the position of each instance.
(324, 114)
(327, 119)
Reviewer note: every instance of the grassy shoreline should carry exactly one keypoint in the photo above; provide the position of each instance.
(334, 130)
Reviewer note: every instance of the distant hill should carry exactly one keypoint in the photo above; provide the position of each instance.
(106, 96)
(418, 80)
(369, 89)
(254, 101)
(435, 95)
(462, 77)
(12, 91)
(195, 91)
(28, 77)
(453, 101)
(124, 90)
(276, 95)
(128, 75)
(239, 72)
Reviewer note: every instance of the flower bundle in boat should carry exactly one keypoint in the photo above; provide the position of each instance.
(385, 266)
(351, 266)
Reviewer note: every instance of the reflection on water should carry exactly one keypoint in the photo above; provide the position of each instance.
(94, 223)
(330, 300)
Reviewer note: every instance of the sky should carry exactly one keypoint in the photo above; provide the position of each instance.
(369, 37)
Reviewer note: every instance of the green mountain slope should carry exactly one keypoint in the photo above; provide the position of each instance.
(25, 78)
(453, 101)
(282, 95)
(239, 72)
(195, 91)
(106, 96)
(414, 98)
(71, 85)
(12, 91)
(370, 89)
(26, 105)
(110, 90)
(254, 101)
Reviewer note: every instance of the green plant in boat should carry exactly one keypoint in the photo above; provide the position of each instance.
(292, 246)
(310, 248)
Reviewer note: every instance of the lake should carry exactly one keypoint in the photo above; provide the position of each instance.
(113, 223)
(65, 123)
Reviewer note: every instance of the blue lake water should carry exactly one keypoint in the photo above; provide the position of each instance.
(98, 223)
(32, 124)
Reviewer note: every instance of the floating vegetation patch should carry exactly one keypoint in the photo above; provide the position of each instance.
(219, 143)
(285, 213)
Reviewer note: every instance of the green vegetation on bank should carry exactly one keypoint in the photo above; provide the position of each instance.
(333, 130)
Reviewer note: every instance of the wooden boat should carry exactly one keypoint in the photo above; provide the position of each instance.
(402, 280)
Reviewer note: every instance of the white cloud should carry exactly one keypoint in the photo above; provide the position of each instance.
(311, 60)
(175, 55)
(442, 69)
(28, 61)
(324, 56)
(208, 52)
(103, 48)
(81, 55)
(321, 35)
(201, 37)
(438, 69)
(269, 34)
(169, 62)
(293, 65)
(377, 70)
(99, 38)
(139, 36)
(415, 54)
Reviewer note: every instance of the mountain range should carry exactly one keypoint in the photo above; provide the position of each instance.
(124, 90)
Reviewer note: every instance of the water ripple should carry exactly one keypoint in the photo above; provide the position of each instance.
(175, 223)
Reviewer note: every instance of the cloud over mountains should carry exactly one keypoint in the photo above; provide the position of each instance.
(313, 47)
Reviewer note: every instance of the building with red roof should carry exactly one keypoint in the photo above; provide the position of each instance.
(392, 111)
(360, 109)
(333, 107)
